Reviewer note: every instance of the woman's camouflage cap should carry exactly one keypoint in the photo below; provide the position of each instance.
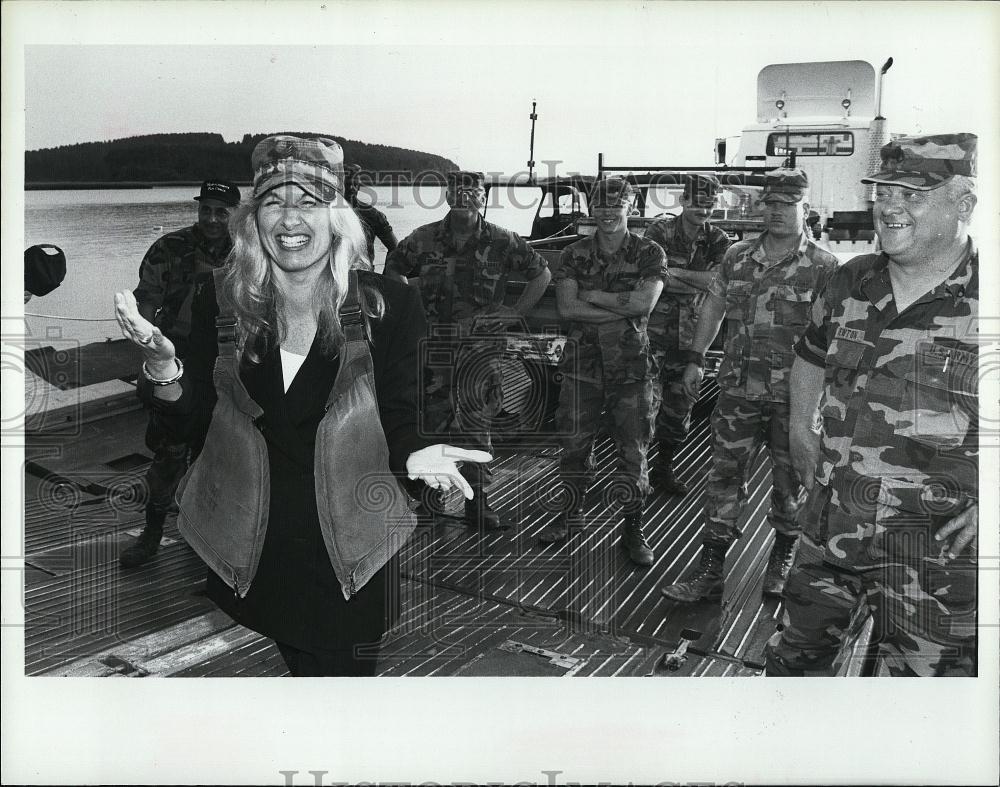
(314, 164)
(925, 163)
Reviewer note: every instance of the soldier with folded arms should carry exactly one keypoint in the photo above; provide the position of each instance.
(890, 358)
(606, 286)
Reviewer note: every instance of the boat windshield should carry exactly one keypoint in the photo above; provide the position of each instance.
(535, 211)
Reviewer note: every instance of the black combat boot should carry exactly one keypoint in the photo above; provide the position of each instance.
(778, 564)
(572, 515)
(634, 541)
(706, 582)
(478, 511)
(145, 546)
(662, 473)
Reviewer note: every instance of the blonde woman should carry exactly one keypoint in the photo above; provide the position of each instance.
(301, 392)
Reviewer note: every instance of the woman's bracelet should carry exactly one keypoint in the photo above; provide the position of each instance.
(171, 380)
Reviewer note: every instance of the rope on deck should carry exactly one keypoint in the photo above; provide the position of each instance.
(74, 319)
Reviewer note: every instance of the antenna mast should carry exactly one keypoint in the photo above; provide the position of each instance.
(531, 153)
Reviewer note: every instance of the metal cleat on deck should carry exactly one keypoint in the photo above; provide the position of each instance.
(675, 660)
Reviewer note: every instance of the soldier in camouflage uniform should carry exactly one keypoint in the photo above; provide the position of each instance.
(606, 286)
(764, 289)
(891, 359)
(168, 277)
(463, 263)
(694, 250)
(373, 221)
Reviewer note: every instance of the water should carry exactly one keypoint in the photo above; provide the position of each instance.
(105, 234)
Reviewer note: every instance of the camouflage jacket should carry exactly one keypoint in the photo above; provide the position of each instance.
(677, 312)
(899, 406)
(459, 284)
(617, 351)
(168, 273)
(375, 225)
(767, 310)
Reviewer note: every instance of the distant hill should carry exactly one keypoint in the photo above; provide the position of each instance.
(189, 158)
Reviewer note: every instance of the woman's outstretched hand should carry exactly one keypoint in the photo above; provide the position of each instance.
(157, 349)
(435, 466)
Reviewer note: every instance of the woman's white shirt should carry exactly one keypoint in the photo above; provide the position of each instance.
(290, 365)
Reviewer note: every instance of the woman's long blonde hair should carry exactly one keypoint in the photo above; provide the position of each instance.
(250, 293)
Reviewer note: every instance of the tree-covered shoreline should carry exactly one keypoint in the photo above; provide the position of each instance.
(181, 159)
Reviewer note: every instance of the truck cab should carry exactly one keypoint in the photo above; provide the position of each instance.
(825, 117)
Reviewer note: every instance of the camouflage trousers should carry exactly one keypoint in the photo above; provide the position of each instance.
(629, 408)
(462, 390)
(170, 462)
(671, 405)
(740, 428)
(924, 616)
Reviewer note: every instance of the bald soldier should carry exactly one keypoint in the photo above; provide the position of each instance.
(694, 251)
(890, 356)
(463, 263)
(763, 289)
(606, 286)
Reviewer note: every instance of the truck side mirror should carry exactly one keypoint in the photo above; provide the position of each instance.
(720, 151)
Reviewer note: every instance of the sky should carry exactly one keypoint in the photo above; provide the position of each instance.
(646, 83)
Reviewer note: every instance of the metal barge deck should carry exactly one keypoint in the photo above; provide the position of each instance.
(473, 603)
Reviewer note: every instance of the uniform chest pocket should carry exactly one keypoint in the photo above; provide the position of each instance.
(488, 276)
(739, 305)
(843, 360)
(433, 274)
(791, 304)
(491, 267)
(941, 397)
(432, 266)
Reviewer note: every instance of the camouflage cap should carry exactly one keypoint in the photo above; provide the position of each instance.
(466, 179)
(314, 164)
(784, 185)
(611, 192)
(924, 163)
(701, 188)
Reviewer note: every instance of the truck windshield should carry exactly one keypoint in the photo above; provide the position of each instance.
(810, 143)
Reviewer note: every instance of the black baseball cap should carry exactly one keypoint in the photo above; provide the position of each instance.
(221, 190)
